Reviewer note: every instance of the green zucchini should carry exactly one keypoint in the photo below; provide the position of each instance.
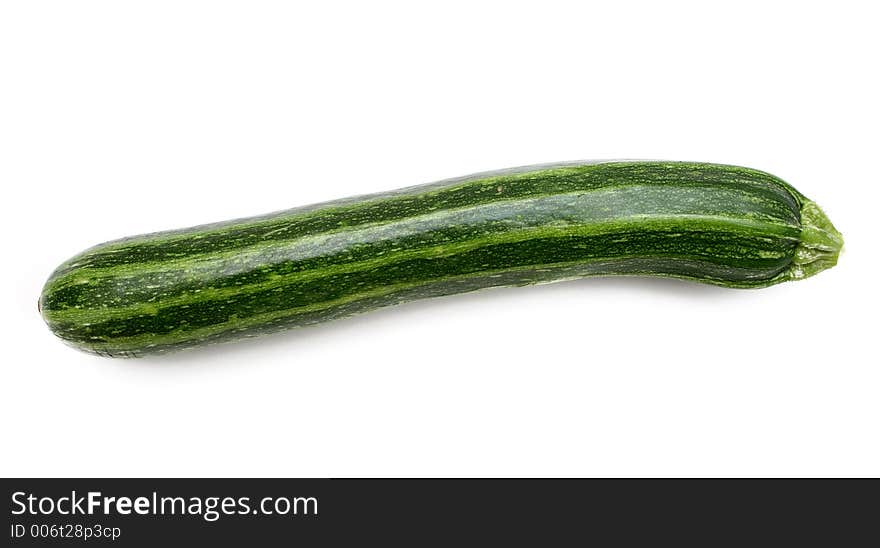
(724, 225)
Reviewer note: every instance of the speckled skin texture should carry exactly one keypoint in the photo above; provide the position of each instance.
(718, 224)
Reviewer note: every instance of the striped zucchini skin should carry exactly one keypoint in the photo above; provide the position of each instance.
(724, 225)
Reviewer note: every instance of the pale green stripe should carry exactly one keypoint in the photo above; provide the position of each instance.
(143, 343)
(346, 204)
(87, 316)
(424, 222)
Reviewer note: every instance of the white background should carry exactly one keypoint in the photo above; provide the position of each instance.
(118, 118)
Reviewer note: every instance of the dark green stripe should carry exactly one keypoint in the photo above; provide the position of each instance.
(286, 319)
(741, 258)
(294, 224)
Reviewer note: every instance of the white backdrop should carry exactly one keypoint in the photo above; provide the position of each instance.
(118, 118)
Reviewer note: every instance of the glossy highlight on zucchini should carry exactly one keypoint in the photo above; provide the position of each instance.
(718, 224)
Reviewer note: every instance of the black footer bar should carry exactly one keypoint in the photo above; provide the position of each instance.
(261, 512)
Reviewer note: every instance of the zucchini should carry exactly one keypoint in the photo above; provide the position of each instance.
(723, 225)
